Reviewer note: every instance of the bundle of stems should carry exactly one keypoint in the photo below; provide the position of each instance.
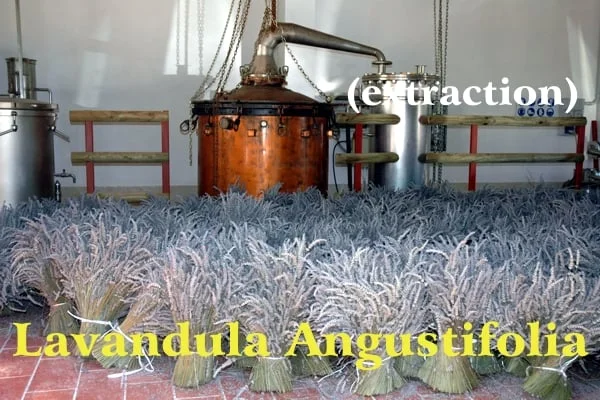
(549, 380)
(148, 314)
(559, 301)
(273, 300)
(409, 366)
(461, 284)
(304, 365)
(369, 291)
(33, 267)
(484, 365)
(103, 267)
(517, 366)
(9, 292)
(198, 290)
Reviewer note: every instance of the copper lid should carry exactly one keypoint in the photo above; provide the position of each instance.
(264, 94)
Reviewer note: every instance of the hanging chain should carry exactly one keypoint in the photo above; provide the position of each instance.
(177, 34)
(208, 82)
(440, 29)
(236, 41)
(273, 22)
(327, 98)
(200, 10)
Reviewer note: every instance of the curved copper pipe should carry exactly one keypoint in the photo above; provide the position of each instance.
(264, 61)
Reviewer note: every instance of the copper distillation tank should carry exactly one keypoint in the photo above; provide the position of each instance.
(262, 135)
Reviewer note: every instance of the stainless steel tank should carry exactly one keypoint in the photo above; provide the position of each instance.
(27, 129)
(409, 139)
(29, 77)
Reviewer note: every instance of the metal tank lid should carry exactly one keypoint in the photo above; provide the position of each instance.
(262, 94)
(17, 103)
(416, 76)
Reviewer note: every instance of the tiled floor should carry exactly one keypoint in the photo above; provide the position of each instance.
(40, 378)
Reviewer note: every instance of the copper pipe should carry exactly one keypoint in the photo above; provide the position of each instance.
(264, 62)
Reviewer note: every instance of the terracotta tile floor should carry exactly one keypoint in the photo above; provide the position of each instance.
(40, 378)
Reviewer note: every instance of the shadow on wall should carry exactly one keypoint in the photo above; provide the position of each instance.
(97, 50)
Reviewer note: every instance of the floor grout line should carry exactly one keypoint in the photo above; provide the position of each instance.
(124, 384)
(32, 376)
(8, 335)
(49, 391)
(78, 381)
(173, 392)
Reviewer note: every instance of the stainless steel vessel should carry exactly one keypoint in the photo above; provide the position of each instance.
(409, 139)
(29, 77)
(27, 129)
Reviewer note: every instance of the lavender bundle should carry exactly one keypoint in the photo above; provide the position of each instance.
(198, 291)
(273, 300)
(102, 268)
(461, 285)
(12, 223)
(33, 267)
(9, 220)
(547, 305)
(368, 292)
(148, 314)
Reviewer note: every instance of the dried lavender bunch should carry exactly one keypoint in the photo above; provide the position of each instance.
(198, 290)
(273, 299)
(33, 267)
(370, 291)
(461, 285)
(12, 221)
(9, 293)
(149, 313)
(559, 302)
(102, 267)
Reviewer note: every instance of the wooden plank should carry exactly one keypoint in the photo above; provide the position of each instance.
(491, 120)
(366, 119)
(500, 158)
(131, 197)
(367, 158)
(130, 157)
(118, 116)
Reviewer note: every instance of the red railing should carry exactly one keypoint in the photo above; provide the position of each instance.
(91, 158)
(473, 157)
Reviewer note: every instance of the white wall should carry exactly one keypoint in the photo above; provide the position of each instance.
(536, 43)
(121, 55)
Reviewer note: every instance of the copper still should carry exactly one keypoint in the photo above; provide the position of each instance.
(262, 135)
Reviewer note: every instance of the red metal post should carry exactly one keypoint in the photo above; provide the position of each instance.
(166, 170)
(580, 132)
(595, 139)
(89, 166)
(358, 148)
(473, 150)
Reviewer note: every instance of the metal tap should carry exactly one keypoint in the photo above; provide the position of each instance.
(64, 174)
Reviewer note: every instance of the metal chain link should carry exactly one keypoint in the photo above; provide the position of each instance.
(200, 10)
(191, 148)
(208, 82)
(327, 98)
(177, 48)
(240, 34)
(440, 28)
(322, 94)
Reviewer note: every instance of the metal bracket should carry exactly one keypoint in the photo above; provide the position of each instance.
(52, 128)
(14, 127)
